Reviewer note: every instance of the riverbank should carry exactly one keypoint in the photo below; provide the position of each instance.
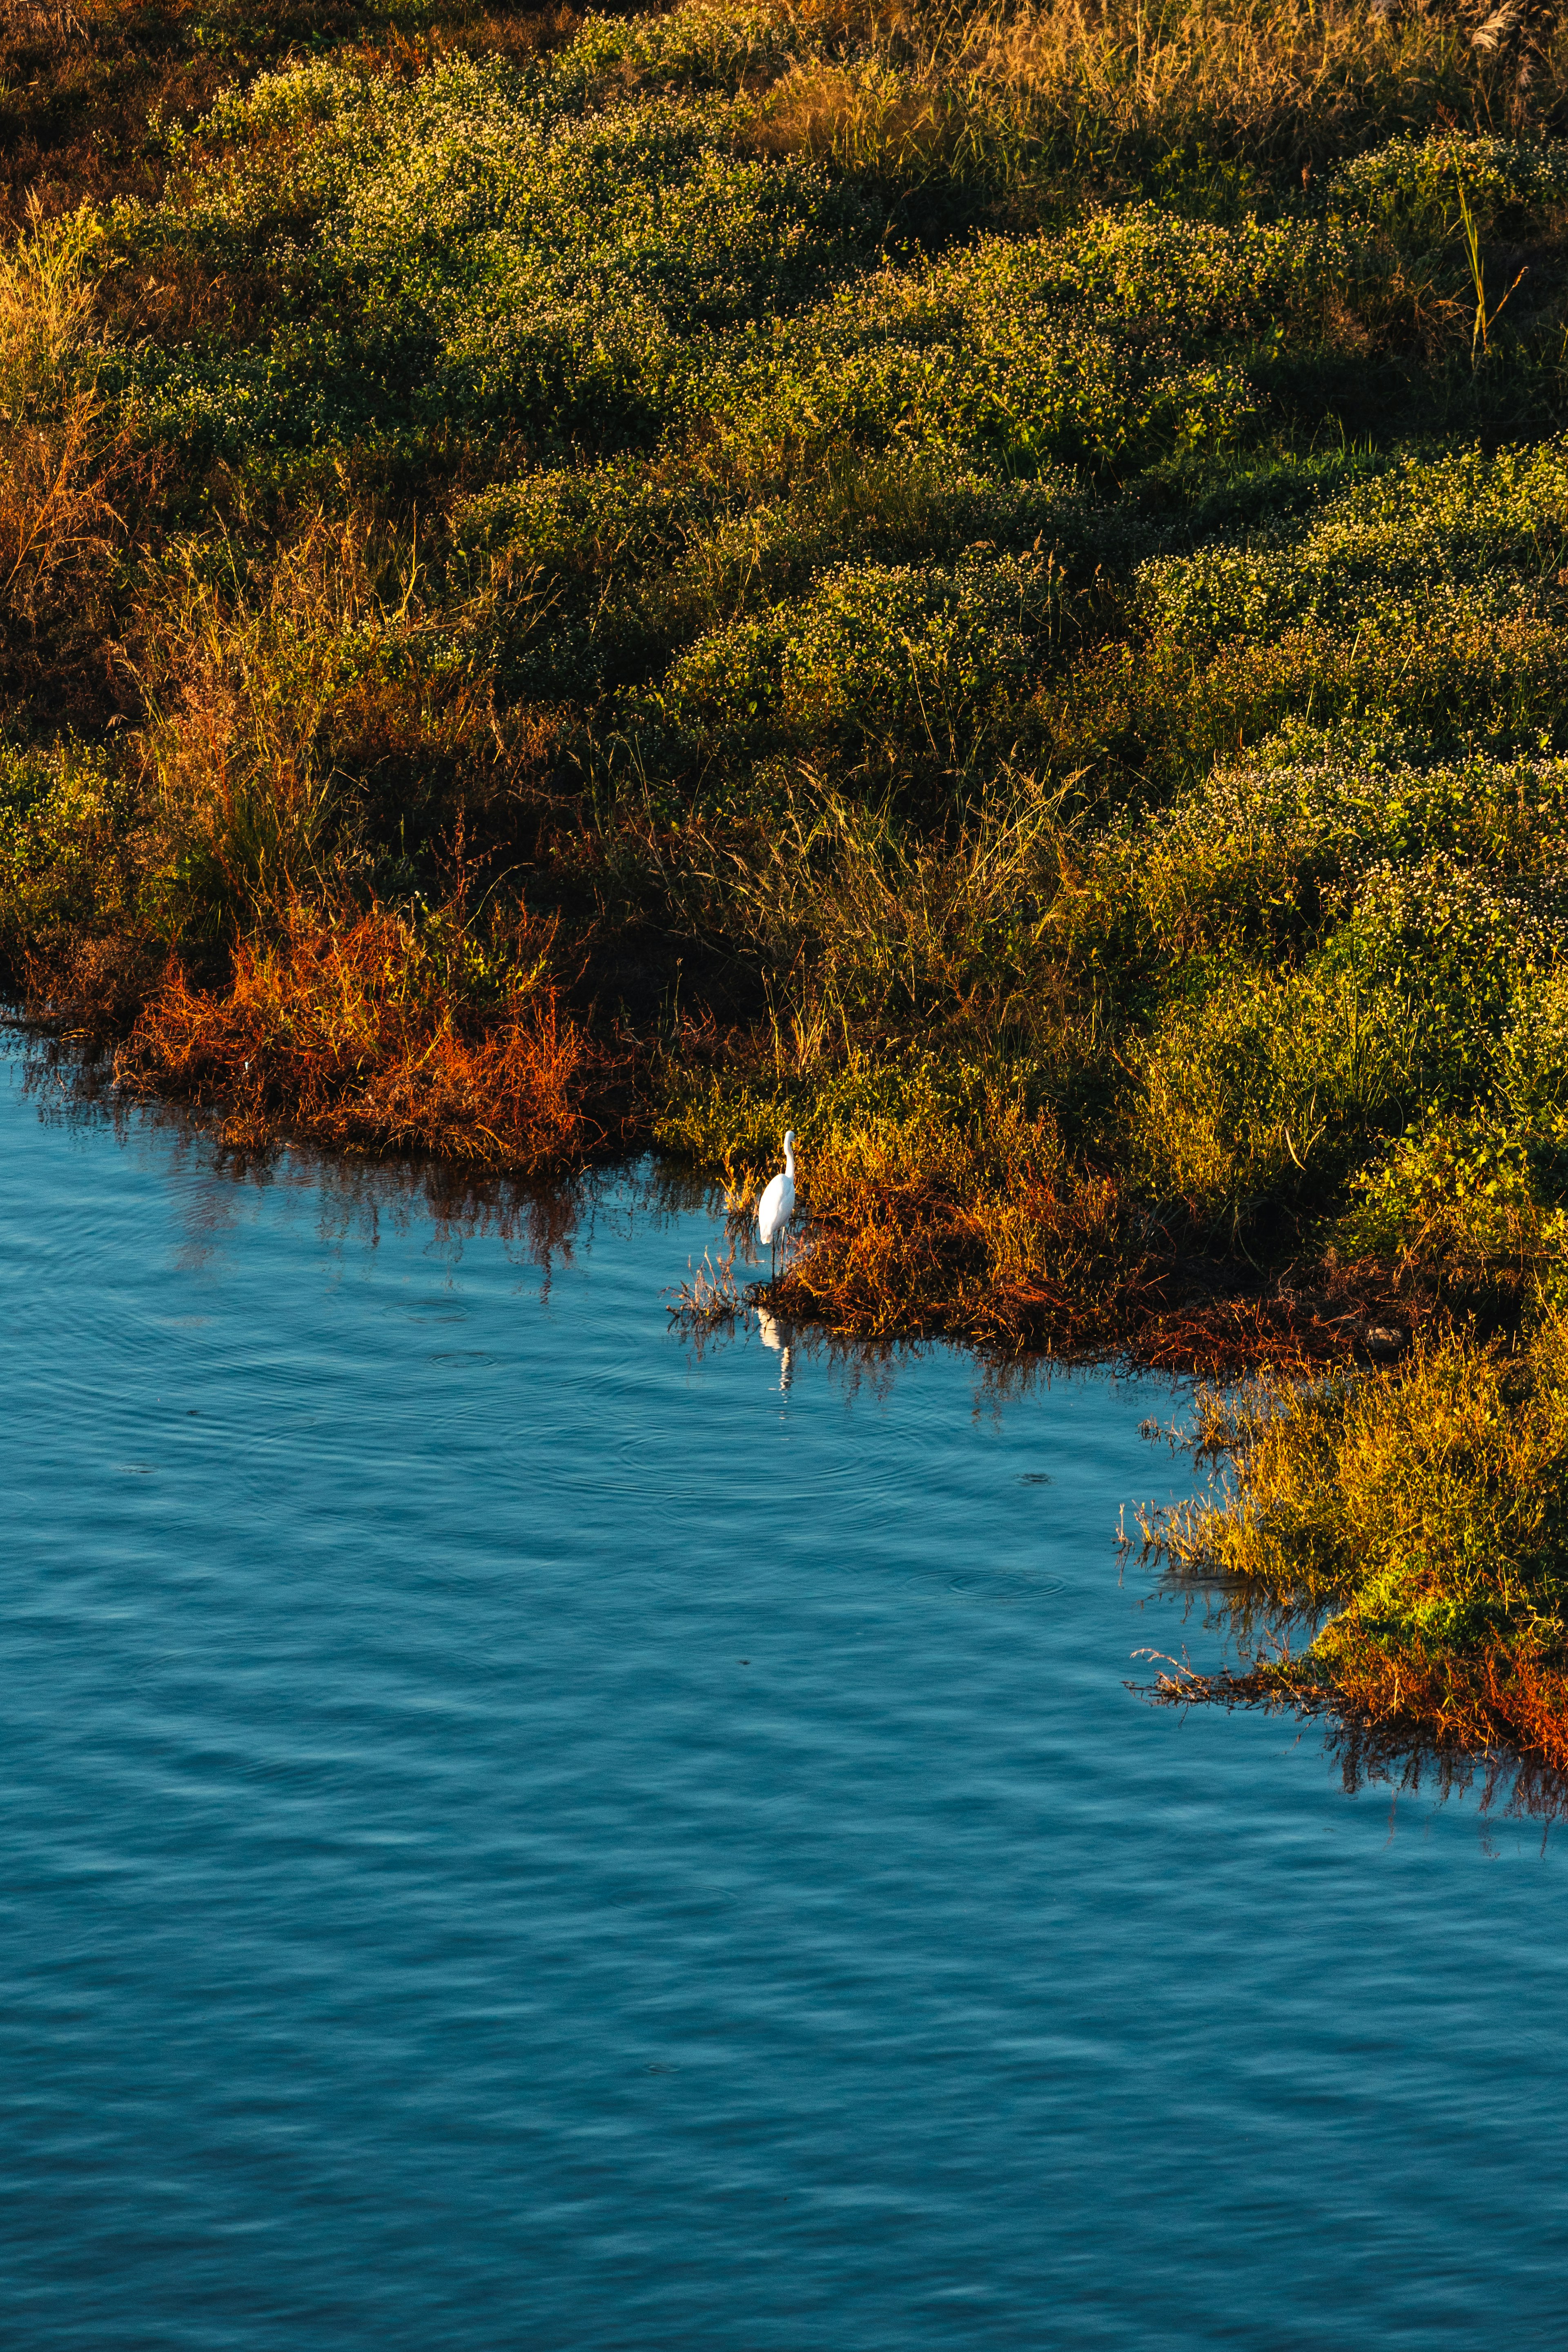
(988, 587)
(1415, 1526)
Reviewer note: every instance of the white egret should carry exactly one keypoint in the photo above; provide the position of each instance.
(777, 1206)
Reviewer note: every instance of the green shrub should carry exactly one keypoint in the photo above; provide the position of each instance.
(997, 358)
(1269, 857)
(699, 47)
(1471, 535)
(1256, 1085)
(478, 254)
(1426, 1513)
(1534, 1064)
(1159, 713)
(1451, 943)
(261, 166)
(67, 816)
(891, 508)
(902, 666)
(568, 573)
(1487, 1184)
(1262, 1082)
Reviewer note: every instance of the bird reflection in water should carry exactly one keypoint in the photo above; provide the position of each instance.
(775, 1335)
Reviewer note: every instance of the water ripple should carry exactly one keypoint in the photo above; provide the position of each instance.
(543, 1835)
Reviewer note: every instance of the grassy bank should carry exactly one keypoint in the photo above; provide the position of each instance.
(1417, 1526)
(989, 584)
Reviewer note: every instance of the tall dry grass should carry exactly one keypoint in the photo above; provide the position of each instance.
(275, 688)
(48, 24)
(59, 458)
(874, 919)
(995, 92)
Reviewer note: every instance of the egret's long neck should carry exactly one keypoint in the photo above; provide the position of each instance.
(789, 1161)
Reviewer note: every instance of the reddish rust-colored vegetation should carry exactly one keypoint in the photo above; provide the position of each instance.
(347, 1029)
(891, 1259)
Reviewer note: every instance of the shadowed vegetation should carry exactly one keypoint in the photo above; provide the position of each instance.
(985, 582)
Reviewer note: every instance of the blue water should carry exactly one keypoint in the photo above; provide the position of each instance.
(515, 1833)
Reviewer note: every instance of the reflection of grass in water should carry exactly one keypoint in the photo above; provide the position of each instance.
(536, 1221)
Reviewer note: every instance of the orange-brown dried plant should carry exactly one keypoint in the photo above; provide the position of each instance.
(354, 1029)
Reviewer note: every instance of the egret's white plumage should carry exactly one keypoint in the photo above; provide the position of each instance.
(777, 1206)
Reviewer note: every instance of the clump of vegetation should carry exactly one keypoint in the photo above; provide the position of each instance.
(363, 1032)
(988, 585)
(1420, 1522)
(710, 1300)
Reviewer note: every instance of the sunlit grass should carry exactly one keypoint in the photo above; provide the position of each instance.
(986, 584)
(1421, 1518)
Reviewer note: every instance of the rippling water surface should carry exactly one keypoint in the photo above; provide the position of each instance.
(516, 1834)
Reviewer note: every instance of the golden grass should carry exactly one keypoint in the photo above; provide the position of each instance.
(273, 690)
(57, 526)
(1426, 1509)
(995, 92)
